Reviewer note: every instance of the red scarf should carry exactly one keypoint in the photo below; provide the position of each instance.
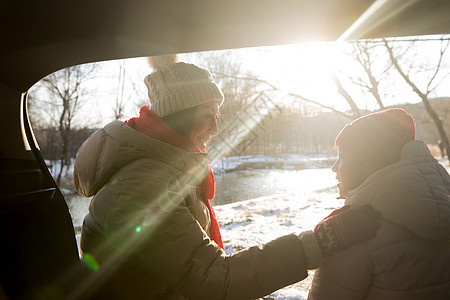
(150, 124)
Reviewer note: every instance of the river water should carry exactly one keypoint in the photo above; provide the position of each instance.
(250, 184)
(242, 185)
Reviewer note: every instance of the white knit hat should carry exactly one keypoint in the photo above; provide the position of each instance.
(176, 86)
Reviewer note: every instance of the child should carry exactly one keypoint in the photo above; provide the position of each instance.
(381, 164)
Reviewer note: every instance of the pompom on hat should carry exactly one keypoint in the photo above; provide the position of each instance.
(378, 138)
(176, 86)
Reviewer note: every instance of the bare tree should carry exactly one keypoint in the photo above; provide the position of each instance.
(344, 93)
(281, 131)
(120, 102)
(227, 70)
(364, 53)
(272, 87)
(65, 91)
(431, 84)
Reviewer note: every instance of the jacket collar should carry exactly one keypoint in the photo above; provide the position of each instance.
(185, 161)
(412, 193)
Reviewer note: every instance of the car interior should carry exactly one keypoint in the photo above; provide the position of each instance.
(39, 254)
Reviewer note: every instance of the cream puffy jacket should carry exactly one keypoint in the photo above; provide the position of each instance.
(410, 256)
(147, 229)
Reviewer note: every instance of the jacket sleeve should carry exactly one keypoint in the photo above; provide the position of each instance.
(158, 227)
(344, 276)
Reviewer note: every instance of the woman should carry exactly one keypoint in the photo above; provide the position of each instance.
(380, 163)
(151, 226)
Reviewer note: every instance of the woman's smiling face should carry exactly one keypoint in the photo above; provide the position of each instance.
(204, 125)
(350, 172)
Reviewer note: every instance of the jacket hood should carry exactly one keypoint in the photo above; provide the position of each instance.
(116, 145)
(413, 193)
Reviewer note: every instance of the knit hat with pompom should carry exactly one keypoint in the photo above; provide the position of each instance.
(378, 138)
(176, 86)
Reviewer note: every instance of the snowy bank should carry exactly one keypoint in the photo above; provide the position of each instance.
(281, 161)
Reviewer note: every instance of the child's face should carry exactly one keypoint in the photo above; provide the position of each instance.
(350, 171)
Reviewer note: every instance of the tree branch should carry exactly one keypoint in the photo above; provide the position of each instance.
(275, 88)
(438, 66)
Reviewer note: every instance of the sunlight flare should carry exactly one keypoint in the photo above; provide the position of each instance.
(378, 13)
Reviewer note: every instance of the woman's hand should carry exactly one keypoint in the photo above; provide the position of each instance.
(345, 227)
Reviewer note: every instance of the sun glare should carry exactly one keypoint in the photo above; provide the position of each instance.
(304, 69)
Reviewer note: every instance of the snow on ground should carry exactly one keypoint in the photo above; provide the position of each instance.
(257, 221)
(282, 161)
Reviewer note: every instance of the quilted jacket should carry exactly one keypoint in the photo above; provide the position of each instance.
(147, 229)
(410, 256)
